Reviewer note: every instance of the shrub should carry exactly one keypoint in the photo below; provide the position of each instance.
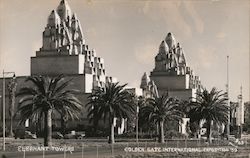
(174, 134)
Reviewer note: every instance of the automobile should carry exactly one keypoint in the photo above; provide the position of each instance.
(69, 136)
(29, 135)
(74, 135)
(57, 135)
(24, 134)
(80, 135)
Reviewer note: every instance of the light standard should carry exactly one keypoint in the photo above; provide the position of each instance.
(4, 105)
(137, 119)
(228, 101)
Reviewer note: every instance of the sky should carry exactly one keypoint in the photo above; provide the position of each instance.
(127, 34)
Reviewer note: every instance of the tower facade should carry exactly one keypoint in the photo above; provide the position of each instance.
(171, 73)
(64, 51)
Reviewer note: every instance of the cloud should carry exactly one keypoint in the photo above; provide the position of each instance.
(1, 5)
(206, 57)
(90, 2)
(199, 24)
(171, 14)
(146, 7)
(145, 54)
(221, 35)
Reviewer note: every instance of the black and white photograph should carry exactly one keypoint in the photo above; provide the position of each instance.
(124, 78)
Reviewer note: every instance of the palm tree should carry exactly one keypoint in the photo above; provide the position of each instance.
(184, 107)
(44, 97)
(160, 110)
(110, 102)
(194, 124)
(144, 125)
(64, 119)
(211, 107)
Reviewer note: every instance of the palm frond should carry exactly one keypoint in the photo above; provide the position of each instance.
(109, 102)
(47, 93)
(209, 106)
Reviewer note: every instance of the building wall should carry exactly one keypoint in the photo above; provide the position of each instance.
(169, 82)
(81, 82)
(176, 85)
(58, 64)
(184, 94)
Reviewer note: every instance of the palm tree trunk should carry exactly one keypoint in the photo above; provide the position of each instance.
(11, 113)
(157, 129)
(161, 134)
(48, 128)
(112, 132)
(209, 131)
(63, 125)
(41, 127)
(11, 126)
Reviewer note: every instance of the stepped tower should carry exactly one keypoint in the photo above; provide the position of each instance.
(64, 51)
(171, 73)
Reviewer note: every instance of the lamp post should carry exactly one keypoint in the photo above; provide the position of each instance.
(4, 105)
(137, 119)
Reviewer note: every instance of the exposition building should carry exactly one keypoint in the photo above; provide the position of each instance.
(64, 51)
(171, 75)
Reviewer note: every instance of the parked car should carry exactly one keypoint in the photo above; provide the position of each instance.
(80, 135)
(29, 135)
(24, 134)
(57, 135)
(75, 135)
(69, 136)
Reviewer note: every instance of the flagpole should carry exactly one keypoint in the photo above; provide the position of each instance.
(228, 101)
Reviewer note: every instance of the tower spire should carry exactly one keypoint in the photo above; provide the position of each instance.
(170, 40)
(163, 48)
(54, 19)
(64, 10)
